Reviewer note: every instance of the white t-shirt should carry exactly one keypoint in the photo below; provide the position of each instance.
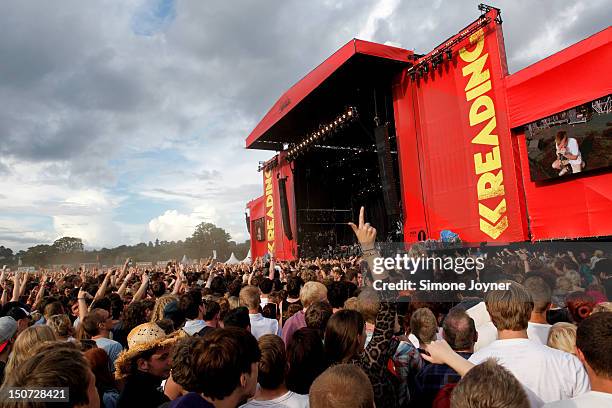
(591, 399)
(487, 333)
(288, 400)
(262, 325)
(538, 332)
(551, 374)
(573, 149)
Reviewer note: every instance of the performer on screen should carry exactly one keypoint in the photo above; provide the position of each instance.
(569, 159)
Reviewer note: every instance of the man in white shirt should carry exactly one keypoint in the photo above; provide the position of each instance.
(593, 340)
(192, 307)
(272, 391)
(550, 374)
(249, 297)
(540, 292)
(568, 153)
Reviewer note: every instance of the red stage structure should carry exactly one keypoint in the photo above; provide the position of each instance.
(427, 143)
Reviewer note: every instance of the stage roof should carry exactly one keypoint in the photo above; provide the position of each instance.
(294, 111)
(573, 76)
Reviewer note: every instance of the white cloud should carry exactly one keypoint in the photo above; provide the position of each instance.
(173, 226)
(382, 10)
(96, 115)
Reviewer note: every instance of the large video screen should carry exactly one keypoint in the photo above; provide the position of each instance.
(575, 141)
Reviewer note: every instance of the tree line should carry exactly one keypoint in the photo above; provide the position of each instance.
(70, 250)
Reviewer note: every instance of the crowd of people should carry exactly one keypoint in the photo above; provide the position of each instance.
(311, 332)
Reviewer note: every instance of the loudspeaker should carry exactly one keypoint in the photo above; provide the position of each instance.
(282, 195)
(248, 222)
(387, 176)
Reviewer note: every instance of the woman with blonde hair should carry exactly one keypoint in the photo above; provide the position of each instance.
(62, 326)
(160, 304)
(562, 336)
(25, 346)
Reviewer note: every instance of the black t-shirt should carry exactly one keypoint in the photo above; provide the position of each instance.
(141, 390)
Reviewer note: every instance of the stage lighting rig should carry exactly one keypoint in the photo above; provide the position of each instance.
(421, 65)
(324, 130)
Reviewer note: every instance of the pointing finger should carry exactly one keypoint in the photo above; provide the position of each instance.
(361, 216)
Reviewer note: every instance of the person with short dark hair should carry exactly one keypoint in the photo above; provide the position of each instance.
(273, 390)
(185, 375)
(265, 288)
(460, 333)
(212, 313)
(337, 293)
(593, 340)
(317, 316)
(227, 365)
(158, 288)
(294, 284)
(192, 307)
(538, 327)
(238, 317)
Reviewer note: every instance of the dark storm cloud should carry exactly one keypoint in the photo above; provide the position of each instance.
(77, 76)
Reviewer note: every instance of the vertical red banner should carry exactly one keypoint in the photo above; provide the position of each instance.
(455, 143)
(277, 242)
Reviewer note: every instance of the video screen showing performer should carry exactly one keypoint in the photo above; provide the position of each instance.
(572, 141)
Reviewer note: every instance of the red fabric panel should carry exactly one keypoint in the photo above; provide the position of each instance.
(576, 75)
(407, 127)
(256, 210)
(276, 242)
(285, 249)
(447, 153)
(572, 208)
(314, 78)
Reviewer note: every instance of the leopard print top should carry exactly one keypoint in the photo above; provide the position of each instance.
(376, 355)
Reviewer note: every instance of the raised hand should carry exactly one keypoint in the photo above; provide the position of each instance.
(365, 233)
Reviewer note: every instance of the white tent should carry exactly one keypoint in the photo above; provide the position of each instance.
(185, 260)
(232, 260)
(247, 259)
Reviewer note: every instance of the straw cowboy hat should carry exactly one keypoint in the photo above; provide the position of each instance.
(142, 338)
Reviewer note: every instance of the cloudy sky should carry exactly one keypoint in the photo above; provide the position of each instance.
(124, 121)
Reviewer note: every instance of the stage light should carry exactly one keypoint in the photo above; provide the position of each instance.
(449, 54)
(425, 67)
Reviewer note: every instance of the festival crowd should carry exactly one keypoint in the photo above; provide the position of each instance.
(311, 333)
